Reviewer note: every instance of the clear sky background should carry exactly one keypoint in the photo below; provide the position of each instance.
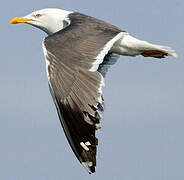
(142, 135)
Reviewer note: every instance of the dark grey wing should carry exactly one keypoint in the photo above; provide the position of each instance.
(73, 56)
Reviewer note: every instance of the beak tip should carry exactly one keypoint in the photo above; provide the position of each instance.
(19, 20)
(13, 21)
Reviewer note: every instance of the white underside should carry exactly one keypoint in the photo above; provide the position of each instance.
(130, 46)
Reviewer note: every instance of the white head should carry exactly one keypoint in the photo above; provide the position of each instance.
(49, 20)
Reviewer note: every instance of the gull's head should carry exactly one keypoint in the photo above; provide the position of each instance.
(49, 20)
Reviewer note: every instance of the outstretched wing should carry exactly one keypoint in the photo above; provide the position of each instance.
(73, 56)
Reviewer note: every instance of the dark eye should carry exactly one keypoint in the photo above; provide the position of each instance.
(38, 15)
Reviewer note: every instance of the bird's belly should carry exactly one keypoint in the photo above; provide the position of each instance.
(121, 49)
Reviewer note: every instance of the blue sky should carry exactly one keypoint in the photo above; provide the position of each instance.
(142, 131)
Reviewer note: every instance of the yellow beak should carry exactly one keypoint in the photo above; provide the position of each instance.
(19, 20)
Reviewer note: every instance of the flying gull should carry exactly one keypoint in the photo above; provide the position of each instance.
(78, 51)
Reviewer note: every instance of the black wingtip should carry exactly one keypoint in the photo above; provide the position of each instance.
(87, 165)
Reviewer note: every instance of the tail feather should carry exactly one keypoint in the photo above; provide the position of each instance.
(158, 51)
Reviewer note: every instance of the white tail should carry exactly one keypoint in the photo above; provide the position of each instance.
(130, 46)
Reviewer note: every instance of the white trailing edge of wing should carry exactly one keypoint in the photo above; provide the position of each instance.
(99, 59)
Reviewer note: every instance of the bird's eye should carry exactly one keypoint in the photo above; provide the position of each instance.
(38, 15)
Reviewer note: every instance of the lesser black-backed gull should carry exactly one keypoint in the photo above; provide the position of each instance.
(78, 50)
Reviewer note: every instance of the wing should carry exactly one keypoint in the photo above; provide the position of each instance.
(73, 56)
